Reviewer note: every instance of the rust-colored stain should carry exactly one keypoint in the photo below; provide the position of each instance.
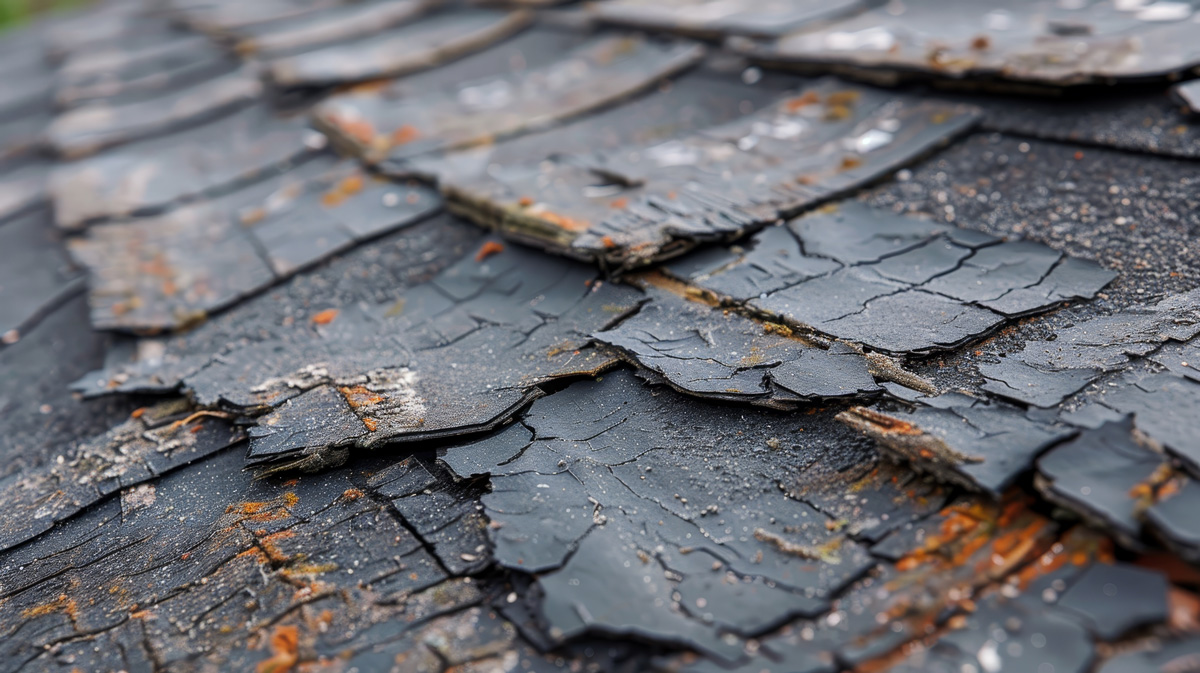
(488, 249)
(325, 317)
(797, 103)
(285, 645)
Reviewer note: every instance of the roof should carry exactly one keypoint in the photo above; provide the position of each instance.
(702, 335)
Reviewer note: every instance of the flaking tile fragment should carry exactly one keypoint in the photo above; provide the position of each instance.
(35, 274)
(157, 174)
(410, 48)
(337, 24)
(596, 491)
(115, 72)
(89, 128)
(1038, 43)
(1096, 475)
(701, 351)
(895, 283)
(457, 354)
(642, 203)
(168, 271)
(1044, 373)
(600, 72)
(982, 446)
(711, 18)
(136, 451)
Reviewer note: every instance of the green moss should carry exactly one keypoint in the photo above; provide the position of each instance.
(16, 12)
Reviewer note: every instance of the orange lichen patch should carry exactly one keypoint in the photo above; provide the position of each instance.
(849, 162)
(405, 134)
(564, 222)
(525, 201)
(351, 184)
(269, 546)
(796, 103)
(372, 426)
(343, 189)
(138, 413)
(63, 604)
(247, 508)
(981, 43)
(608, 242)
(324, 317)
(352, 494)
(620, 203)
(290, 499)
(358, 397)
(284, 645)
(488, 249)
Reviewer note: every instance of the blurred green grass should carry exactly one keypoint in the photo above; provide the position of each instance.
(16, 12)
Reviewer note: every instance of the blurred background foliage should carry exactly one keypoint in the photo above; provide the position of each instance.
(15, 12)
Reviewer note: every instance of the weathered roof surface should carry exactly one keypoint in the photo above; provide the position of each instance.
(430, 336)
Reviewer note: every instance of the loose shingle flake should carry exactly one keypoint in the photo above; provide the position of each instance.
(35, 274)
(154, 175)
(894, 283)
(410, 48)
(596, 74)
(117, 71)
(701, 351)
(720, 17)
(349, 21)
(92, 127)
(642, 203)
(205, 256)
(1044, 373)
(980, 446)
(1096, 475)
(1025, 41)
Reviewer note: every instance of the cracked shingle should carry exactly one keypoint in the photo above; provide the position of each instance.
(600, 72)
(643, 203)
(409, 48)
(1019, 41)
(709, 18)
